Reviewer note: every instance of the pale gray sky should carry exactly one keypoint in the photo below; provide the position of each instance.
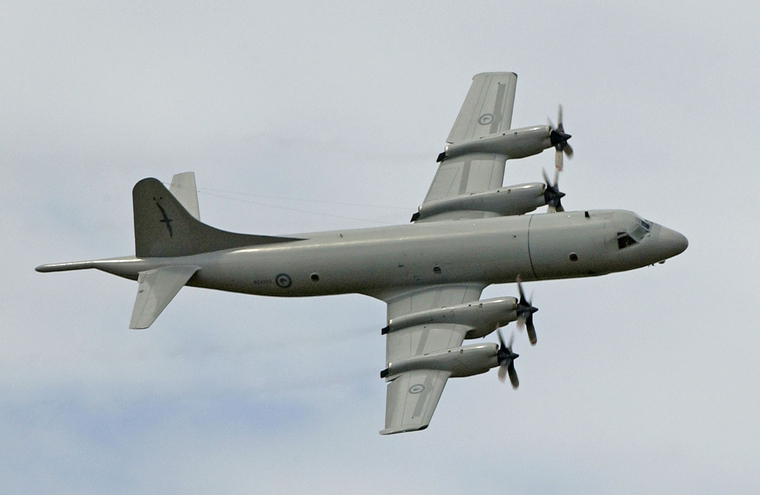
(330, 115)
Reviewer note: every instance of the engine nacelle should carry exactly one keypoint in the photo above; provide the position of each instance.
(483, 317)
(513, 200)
(459, 361)
(515, 143)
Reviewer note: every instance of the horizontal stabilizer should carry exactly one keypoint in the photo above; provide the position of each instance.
(156, 290)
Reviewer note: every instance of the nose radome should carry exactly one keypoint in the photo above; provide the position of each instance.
(672, 243)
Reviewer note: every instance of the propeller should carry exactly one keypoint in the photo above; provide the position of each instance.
(558, 138)
(525, 314)
(552, 194)
(507, 361)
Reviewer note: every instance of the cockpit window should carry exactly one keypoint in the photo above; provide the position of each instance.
(624, 240)
(639, 231)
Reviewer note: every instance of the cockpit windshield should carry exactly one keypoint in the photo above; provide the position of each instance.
(641, 230)
(638, 232)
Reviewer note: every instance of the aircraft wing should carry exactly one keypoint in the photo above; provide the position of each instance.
(486, 110)
(412, 396)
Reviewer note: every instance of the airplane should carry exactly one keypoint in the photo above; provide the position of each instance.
(469, 232)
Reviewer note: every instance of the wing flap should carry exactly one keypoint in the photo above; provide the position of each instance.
(155, 291)
(411, 399)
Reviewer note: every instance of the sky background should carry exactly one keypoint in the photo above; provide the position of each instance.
(309, 116)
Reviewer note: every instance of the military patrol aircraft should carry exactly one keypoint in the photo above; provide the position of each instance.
(469, 232)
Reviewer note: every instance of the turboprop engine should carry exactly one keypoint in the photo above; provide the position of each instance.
(462, 361)
(514, 143)
(512, 200)
(482, 316)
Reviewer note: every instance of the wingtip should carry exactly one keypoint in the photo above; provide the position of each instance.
(393, 431)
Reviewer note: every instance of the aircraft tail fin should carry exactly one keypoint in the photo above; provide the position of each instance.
(165, 228)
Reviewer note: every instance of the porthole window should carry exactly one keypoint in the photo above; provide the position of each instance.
(314, 277)
(573, 257)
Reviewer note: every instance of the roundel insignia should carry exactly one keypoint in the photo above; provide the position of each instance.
(485, 119)
(283, 280)
(416, 389)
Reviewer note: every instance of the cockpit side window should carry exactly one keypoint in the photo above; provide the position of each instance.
(624, 239)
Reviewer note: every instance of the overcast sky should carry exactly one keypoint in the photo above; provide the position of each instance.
(308, 116)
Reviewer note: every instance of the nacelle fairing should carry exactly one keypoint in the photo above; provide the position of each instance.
(514, 143)
(461, 361)
(513, 200)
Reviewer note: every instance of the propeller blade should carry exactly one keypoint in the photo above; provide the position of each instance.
(568, 150)
(531, 330)
(546, 177)
(512, 375)
(559, 139)
(525, 312)
(506, 359)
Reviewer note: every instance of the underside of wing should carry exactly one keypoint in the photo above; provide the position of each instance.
(487, 109)
(412, 395)
(467, 175)
(411, 400)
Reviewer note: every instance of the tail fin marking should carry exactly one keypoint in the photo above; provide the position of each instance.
(164, 228)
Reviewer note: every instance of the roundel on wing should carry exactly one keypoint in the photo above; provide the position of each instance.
(416, 389)
(485, 119)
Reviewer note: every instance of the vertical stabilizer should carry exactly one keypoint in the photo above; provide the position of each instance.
(164, 228)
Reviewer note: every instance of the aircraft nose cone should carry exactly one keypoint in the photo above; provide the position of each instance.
(672, 243)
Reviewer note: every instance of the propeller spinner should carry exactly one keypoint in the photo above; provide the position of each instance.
(552, 194)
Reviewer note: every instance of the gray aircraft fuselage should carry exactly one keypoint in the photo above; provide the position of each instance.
(381, 261)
